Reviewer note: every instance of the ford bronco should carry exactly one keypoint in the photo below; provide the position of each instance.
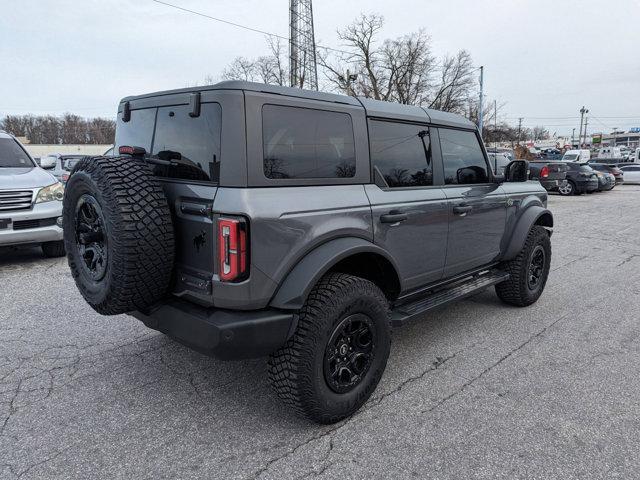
(248, 220)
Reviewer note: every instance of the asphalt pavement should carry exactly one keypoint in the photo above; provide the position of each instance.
(476, 389)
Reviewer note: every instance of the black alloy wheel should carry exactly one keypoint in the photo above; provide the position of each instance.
(536, 267)
(91, 238)
(349, 352)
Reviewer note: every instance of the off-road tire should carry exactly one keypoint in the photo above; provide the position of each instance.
(516, 290)
(296, 371)
(139, 233)
(53, 249)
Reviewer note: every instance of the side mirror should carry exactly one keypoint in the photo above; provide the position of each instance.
(517, 171)
(48, 162)
(469, 175)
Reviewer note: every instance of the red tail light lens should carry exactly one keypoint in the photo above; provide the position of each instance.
(129, 150)
(232, 249)
(544, 173)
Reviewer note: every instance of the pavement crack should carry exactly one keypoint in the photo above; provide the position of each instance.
(495, 364)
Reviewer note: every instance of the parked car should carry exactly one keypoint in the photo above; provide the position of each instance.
(498, 161)
(301, 225)
(63, 165)
(631, 173)
(606, 181)
(30, 201)
(580, 156)
(612, 169)
(581, 178)
(551, 175)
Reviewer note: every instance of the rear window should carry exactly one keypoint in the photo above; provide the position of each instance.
(192, 144)
(138, 131)
(12, 155)
(307, 143)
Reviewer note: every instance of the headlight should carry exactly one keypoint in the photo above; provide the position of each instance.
(51, 193)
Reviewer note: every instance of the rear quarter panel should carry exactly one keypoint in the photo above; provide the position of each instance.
(285, 224)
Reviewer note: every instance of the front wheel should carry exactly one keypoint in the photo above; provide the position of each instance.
(333, 362)
(528, 272)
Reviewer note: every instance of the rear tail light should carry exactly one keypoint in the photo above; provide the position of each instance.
(232, 249)
(544, 173)
(131, 150)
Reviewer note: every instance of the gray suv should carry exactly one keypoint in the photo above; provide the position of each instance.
(30, 201)
(248, 220)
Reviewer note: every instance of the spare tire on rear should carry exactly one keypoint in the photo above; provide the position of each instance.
(118, 234)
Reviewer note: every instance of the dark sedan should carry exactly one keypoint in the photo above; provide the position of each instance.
(581, 178)
(612, 169)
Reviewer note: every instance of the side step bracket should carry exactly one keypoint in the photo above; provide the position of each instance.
(459, 290)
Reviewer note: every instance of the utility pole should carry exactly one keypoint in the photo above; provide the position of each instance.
(303, 67)
(519, 128)
(582, 112)
(573, 136)
(480, 107)
(613, 136)
(350, 78)
(495, 123)
(586, 122)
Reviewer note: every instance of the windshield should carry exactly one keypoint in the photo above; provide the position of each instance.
(570, 157)
(12, 155)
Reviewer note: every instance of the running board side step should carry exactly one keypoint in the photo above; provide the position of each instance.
(457, 291)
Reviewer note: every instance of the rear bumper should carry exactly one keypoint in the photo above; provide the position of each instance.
(225, 334)
(39, 211)
(551, 185)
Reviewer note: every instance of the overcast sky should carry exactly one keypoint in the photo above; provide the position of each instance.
(543, 58)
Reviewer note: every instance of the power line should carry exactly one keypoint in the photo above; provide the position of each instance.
(264, 32)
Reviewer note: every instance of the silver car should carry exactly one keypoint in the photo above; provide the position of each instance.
(30, 201)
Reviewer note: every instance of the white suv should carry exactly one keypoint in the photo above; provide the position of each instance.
(30, 201)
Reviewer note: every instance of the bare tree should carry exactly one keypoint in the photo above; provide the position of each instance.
(401, 69)
(270, 69)
(456, 82)
(540, 133)
(68, 129)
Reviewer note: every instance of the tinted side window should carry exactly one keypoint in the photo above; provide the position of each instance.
(462, 156)
(192, 144)
(138, 131)
(398, 152)
(306, 143)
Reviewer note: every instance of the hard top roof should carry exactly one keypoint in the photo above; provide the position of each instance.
(373, 108)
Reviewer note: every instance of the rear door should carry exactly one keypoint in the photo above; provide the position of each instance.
(476, 205)
(410, 216)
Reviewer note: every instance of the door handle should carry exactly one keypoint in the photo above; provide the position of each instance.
(462, 209)
(393, 217)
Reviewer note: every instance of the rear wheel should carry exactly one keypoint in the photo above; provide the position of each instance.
(528, 272)
(567, 189)
(118, 234)
(332, 364)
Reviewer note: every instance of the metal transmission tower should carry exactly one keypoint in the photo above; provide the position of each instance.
(302, 45)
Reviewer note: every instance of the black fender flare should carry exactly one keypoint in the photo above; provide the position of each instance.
(533, 215)
(295, 288)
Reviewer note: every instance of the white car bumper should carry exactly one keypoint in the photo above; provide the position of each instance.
(41, 223)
